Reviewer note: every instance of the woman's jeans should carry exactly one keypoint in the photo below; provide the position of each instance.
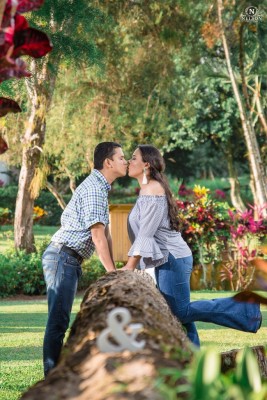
(173, 280)
(61, 273)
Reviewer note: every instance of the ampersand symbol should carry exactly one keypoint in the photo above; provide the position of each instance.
(116, 330)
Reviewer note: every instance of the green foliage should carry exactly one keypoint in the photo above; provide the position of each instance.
(21, 273)
(205, 381)
(49, 203)
(72, 27)
(205, 375)
(92, 270)
(8, 196)
(247, 373)
(5, 216)
(45, 200)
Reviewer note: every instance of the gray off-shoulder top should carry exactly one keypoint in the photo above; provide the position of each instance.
(150, 233)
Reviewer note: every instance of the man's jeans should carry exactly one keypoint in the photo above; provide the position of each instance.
(173, 280)
(61, 273)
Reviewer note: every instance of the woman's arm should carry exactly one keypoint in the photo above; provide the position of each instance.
(131, 263)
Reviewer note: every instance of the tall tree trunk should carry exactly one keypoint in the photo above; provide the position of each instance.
(40, 89)
(84, 372)
(234, 182)
(255, 162)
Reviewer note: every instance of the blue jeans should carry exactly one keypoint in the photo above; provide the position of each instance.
(61, 273)
(173, 280)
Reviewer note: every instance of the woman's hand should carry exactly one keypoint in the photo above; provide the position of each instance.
(131, 263)
(127, 267)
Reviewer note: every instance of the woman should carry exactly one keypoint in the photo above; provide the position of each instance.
(157, 242)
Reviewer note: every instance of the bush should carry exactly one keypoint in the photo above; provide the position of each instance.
(5, 216)
(22, 273)
(8, 195)
(92, 270)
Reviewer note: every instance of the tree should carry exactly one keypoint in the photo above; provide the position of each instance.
(209, 56)
(255, 161)
(128, 102)
(71, 26)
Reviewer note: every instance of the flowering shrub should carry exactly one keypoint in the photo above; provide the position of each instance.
(38, 213)
(215, 233)
(204, 224)
(5, 216)
(246, 233)
(219, 194)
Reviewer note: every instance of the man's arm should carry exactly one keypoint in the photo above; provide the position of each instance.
(102, 246)
(109, 239)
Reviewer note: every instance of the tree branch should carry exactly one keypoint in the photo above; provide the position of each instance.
(57, 195)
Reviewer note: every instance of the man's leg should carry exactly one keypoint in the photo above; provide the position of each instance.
(61, 272)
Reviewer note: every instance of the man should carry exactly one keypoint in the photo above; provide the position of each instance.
(84, 228)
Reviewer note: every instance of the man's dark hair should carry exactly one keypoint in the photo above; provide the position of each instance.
(102, 151)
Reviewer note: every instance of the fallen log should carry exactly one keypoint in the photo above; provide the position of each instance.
(228, 360)
(84, 372)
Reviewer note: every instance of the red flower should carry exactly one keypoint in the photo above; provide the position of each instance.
(3, 145)
(17, 39)
(8, 105)
(220, 194)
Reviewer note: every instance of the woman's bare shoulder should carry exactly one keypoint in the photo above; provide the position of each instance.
(153, 188)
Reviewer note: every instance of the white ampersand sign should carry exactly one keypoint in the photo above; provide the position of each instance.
(116, 330)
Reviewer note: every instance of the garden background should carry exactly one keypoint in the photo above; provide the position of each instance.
(188, 77)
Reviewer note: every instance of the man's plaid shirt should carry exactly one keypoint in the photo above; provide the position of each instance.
(88, 205)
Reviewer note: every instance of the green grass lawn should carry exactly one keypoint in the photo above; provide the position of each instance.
(21, 333)
(41, 232)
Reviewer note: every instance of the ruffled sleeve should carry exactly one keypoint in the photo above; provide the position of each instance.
(152, 210)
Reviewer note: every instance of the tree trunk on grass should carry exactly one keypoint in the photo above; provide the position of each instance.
(83, 372)
(40, 89)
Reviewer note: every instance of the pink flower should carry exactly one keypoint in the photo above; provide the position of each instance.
(241, 229)
(220, 194)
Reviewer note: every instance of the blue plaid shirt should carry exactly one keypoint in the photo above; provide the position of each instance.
(88, 205)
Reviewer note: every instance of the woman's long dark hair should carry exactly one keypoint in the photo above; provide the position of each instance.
(152, 156)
